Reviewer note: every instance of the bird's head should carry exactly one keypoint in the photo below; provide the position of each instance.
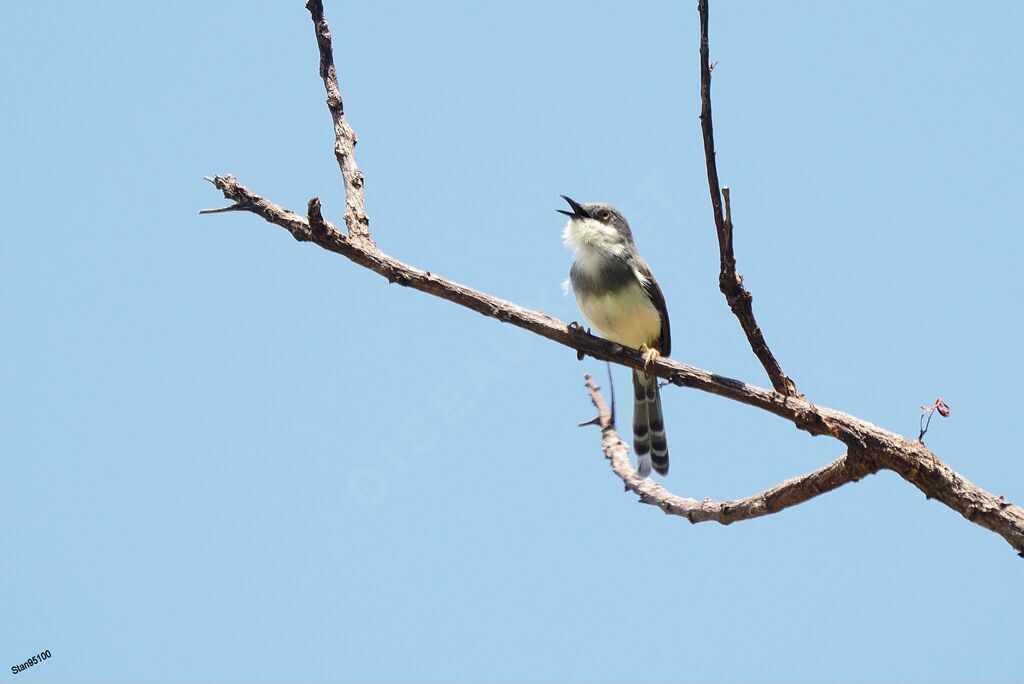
(595, 225)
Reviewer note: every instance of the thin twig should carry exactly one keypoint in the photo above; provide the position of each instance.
(611, 390)
(940, 407)
(221, 210)
(729, 281)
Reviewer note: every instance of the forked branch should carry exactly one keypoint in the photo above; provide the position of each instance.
(868, 448)
(783, 495)
(879, 448)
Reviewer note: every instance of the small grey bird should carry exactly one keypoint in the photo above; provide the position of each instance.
(621, 300)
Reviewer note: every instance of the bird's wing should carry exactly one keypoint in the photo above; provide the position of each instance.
(653, 291)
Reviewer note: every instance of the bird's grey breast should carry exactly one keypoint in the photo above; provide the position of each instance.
(597, 272)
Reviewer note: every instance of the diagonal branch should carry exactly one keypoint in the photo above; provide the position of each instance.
(881, 448)
(729, 281)
(344, 137)
(784, 495)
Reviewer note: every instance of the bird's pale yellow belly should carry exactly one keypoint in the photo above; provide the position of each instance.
(625, 316)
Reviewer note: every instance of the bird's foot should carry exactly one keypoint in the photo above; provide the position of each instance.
(649, 354)
(578, 330)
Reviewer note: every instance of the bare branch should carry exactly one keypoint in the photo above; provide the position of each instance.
(344, 137)
(869, 448)
(882, 449)
(247, 200)
(729, 281)
(784, 495)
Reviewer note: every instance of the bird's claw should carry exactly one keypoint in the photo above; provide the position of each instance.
(577, 329)
(649, 354)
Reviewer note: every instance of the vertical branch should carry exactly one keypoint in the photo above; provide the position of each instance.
(729, 281)
(344, 137)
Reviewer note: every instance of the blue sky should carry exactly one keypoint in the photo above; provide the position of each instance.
(228, 456)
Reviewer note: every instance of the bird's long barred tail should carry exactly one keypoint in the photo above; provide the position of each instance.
(649, 440)
(656, 421)
(641, 429)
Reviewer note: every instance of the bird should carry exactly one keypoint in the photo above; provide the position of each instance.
(621, 300)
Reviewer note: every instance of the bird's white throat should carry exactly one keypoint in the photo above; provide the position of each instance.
(580, 234)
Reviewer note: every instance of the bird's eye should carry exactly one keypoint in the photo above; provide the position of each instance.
(605, 215)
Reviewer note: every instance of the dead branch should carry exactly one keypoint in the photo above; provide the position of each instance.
(729, 281)
(880, 448)
(344, 137)
(781, 496)
(868, 448)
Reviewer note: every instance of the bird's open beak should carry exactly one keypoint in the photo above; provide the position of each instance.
(578, 212)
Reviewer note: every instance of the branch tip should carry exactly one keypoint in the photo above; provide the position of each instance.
(221, 210)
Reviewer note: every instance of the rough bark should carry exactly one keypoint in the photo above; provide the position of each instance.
(869, 448)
